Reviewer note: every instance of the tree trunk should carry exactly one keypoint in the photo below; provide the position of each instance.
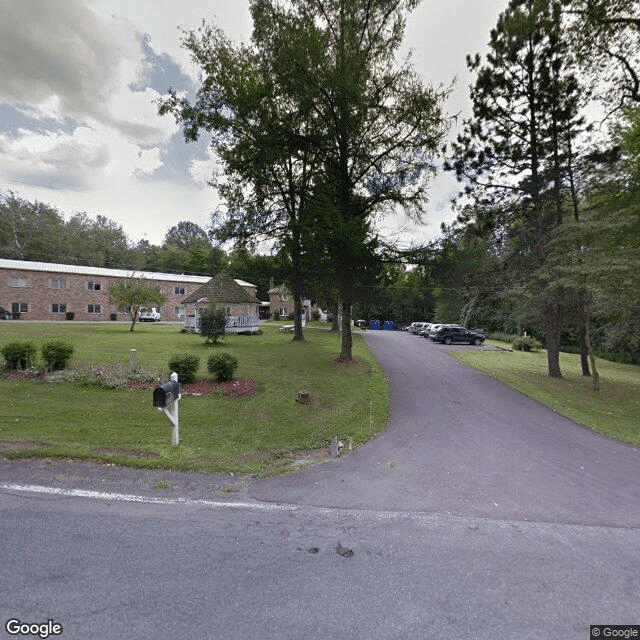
(584, 342)
(335, 317)
(552, 334)
(347, 338)
(596, 375)
(298, 336)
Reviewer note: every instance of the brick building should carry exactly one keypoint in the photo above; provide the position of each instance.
(47, 291)
(281, 302)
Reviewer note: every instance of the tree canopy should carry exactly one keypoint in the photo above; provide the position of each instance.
(319, 129)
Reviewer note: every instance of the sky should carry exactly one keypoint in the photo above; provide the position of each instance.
(79, 127)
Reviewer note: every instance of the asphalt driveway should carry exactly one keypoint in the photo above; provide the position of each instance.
(460, 443)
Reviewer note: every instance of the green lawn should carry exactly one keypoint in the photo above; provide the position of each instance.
(256, 434)
(614, 410)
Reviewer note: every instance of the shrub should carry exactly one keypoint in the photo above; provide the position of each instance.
(185, 365)
(525, 343)
(19, 354)
(315, 315)
(222, 366)
(56, 354)
(213, 324)
(276, 315)
(291, 316)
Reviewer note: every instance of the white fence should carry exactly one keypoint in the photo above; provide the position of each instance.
(235, 324)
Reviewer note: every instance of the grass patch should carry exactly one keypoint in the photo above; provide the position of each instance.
(257, 434)
(613, 411)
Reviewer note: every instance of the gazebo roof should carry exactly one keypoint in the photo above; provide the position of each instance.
(222, 288)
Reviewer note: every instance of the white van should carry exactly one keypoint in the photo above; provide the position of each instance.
(149, 315)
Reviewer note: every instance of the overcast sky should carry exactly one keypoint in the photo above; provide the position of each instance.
(79, 128)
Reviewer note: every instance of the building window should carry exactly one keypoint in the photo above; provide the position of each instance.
(93, 286)
(18, 282)
(58, 308)
(179, 291)
(284, 312)
(179, 311)
(59, 283)
(93, 308)
(19, 307)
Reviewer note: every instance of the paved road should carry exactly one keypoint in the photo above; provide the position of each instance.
(461, 443)
(476, 514)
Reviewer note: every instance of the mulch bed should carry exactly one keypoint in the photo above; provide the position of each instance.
(204, 387)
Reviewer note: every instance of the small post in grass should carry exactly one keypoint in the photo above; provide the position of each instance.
(165, 399)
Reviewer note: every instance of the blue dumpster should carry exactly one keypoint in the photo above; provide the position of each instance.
(388, 325)
(375, 324)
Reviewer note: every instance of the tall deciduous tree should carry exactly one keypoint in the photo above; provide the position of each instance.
(188, 249)
(317, 108)
(30, 230)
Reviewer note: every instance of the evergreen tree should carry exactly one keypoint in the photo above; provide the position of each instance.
(515, 152)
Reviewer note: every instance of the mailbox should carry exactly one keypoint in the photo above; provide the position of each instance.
(166, 394)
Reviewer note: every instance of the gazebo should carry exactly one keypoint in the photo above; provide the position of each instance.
(240, 306)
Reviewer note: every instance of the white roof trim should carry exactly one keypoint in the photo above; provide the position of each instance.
(26, 265)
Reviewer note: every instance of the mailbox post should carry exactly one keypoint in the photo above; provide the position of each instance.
(165, 399)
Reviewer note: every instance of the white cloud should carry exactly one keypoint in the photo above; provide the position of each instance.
(80, 77)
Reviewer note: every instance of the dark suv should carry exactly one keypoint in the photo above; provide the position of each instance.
(449, 335)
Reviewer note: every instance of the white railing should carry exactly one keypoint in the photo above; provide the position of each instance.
(235, 324)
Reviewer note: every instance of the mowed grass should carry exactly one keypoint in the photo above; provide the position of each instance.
(257, 434)
(613, 411)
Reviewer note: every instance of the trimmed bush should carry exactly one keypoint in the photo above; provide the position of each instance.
(525, 343)
(213, 323)
(19, 354)
(185, 365)
(222, 366)
(56, 354)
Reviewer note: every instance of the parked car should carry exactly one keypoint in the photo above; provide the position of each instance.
(415, 327)
(4, 314)
(449, 334)
(426, 327)
(149, 314)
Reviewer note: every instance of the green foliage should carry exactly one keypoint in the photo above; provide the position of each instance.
(526, 343)
(222, 366)
(131, 294)
(280, 110)
(213, 324)
(19, 354)
(56, 354)
(185, 365)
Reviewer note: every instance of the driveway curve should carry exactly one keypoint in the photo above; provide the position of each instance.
(463, 444)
